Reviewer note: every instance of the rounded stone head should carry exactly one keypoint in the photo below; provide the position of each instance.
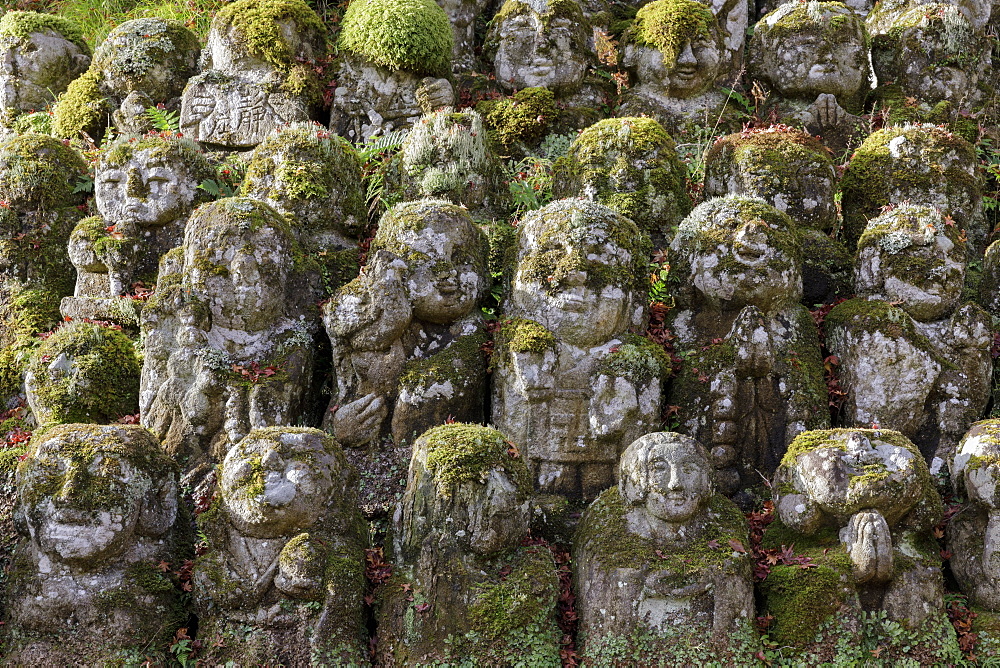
(803, 49)
(251, 38)
(444, 254)
(976, 466)
(150, 182)
(540, 43)
(281, 480)
(40, 54)
(675, 48)
(88, 493)
(580, 271)
(152, 55)
(38, 172)
(914, 256)
(666, 475)
(742, 252)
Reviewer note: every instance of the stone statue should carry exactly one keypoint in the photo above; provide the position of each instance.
(42, 54)
(753, 376)
(284, 554)
(98, 509)
(256, 73)
(571, 384)
(911, 358)
(226, 350)
(406, 334)
(144, 192)
(634, 551)
(459, 553)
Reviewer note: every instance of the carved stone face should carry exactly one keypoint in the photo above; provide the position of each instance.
(533, 52)
(35, 67)
(272, 486)
(666, 475)
(148, 190)
(743, 252)
(695, 70)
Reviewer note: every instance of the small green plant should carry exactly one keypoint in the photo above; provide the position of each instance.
(375, 155)
(164, 120)
(530, 183)
(659, 276)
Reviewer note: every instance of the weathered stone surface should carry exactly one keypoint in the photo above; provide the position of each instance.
(283, 574)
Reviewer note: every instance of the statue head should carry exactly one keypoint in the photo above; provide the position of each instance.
(580, 271)
(803, 49)
(665, 478)
(88, 493)
(676, 47)
(280, 480)
(153, 56)
(742, 252)
(444, 254)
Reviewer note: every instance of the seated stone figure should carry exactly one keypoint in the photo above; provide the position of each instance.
(753, 375)
(634, 553)
(284, 555)
(571, 384)
(256, 73)
(394, 57)
(911, 358)
(144, 192)
(676, 56)
(860, 505)
(974, 532)
(141, 63)
(98, 512)
(226, 350)
(813, 56)
(934, 59)
(406, 334)
(42, 54)
(459, 554)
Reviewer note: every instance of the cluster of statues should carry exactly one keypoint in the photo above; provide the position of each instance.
(232, 320)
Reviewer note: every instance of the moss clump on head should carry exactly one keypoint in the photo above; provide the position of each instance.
(83, 108)
(101, 383)
(523, 117)
(21, 24)
(258, 24)
(39, 172)
(26, 313)
(458, 453)
(410, 35)
(521, 335)
(666, 25)
(834, 21)
(136, 49)
(638, 359)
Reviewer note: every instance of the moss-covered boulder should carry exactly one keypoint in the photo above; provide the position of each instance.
(411, 35)
(100, 509)
(631, 166)
(286, 499)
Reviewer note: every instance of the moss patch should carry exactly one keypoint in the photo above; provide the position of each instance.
(21, 24)
(411, 35)
(459, 453)
(666, 25)
(258, 25)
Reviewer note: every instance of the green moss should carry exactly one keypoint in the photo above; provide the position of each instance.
(458, 453)
(638, 359)
(461, 364)
(833, 21)
(666, 25)
(137, 48)
(823, 438)
(104, 384)
(878, 316)
(521, 335)
(40, 172)
(21, 24)
(801, 600)
(553, 9)
(82, 109)
(523, 117)
(258, 26)
(411, 35)
(26, 313)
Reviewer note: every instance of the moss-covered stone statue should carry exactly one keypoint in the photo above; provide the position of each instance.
(98, 511)
(406, 334)
(860, 506)
(451, 156)
(395, 57)
(631, 166)
(572, 385)
(142, 63)
(226, 349)
(911, 358)
(753, 374)
(464, 584)
(144, 192)
(661, 562)
(42, 54)
(813, 56)
(795, 173)
(283, 575)
(676, 55)
(83, 372)
(257, 73)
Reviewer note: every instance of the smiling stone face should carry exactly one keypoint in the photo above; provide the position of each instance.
(742, 252)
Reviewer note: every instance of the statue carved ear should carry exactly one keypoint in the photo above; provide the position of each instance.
(633, 478)
(159, 508)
